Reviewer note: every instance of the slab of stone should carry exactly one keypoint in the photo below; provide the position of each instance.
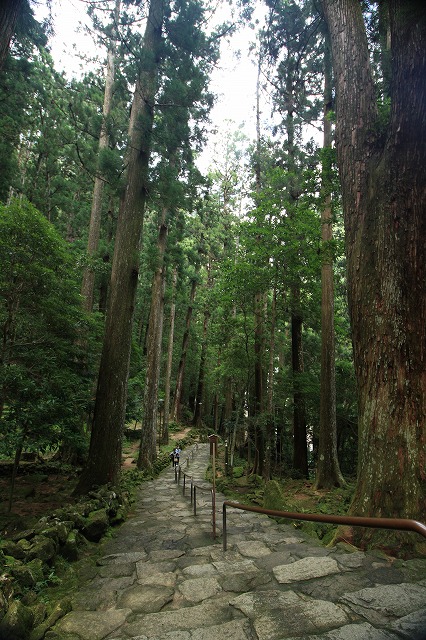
(277, 615)
(122, 558)
(100, 593)
(158, 580)
(382, 604)
(206, 614)
(144, 569)
(334, 586)
(234, 630)
(413, 570)
(350, 561)
(145, 599)
(411, 627)
(199, 570)
(117, 570)
(305, 569)
(243, 582)
(274, 559)
(92, 625)
(199, 589)
(165, 554)
(362, 631)
(253, 549)
(233, 567)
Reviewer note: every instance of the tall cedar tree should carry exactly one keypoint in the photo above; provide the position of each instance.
(383, 176)
(328, 472)
(104, 461)
(88, 283)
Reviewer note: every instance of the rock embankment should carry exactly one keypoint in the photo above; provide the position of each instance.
(27, 559)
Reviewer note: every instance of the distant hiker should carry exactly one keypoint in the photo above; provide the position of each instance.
(176, 456)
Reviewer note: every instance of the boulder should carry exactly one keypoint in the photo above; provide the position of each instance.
(11, 548)
(23, 575)
(72, 547)
(42, 548)
(96, 525)
(273, 497)
(17, 623)
(61, 609)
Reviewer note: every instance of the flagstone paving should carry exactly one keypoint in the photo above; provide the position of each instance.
(164, 577)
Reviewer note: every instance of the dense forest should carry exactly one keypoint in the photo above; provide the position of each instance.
(276, 299)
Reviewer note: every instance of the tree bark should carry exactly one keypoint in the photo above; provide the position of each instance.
(104, 461)
(383, 176)
(88, 283)
(182, 362)
(199, 399)
(9, 13)
(328, 472)
(168, 374)
(300, 448)
(147, 449)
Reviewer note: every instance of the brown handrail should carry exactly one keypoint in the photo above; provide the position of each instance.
(355, 521)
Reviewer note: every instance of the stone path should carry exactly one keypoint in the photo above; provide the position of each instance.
(163, 577)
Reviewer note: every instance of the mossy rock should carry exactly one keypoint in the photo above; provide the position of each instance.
(17, 623)
(23, 576)
(42, 548)
(273, 496)
(96, 525)
(61, 609)
(71, 550)
(12, 549)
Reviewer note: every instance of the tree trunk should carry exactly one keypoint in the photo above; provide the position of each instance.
(328, 472)
(147, 449)
(300, 449)
(199, 399)
(383, 176)
(88, 283)
(168, 374)
(182, 361)
(104, 461)
(259, 380)
(9, 13)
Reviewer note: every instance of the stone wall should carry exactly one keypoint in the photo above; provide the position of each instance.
(28, 558)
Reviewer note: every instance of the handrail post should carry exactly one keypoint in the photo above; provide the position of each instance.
(224, 526)
(214, 513)
(192, 490)
(195, 500)
(184, 482)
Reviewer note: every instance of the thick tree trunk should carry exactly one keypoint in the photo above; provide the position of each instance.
(384, 196)
(168, 373)
(199, 399)
(104, 461)
(182, 362)
(9, 13)
(88, 283)
(148, 449)
(328, 472)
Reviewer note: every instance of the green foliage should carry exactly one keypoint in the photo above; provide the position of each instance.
(43, 390)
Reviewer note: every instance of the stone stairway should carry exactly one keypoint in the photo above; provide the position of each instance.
(164, 577)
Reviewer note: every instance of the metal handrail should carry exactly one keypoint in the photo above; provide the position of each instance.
(178, 472)
(355, 521)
